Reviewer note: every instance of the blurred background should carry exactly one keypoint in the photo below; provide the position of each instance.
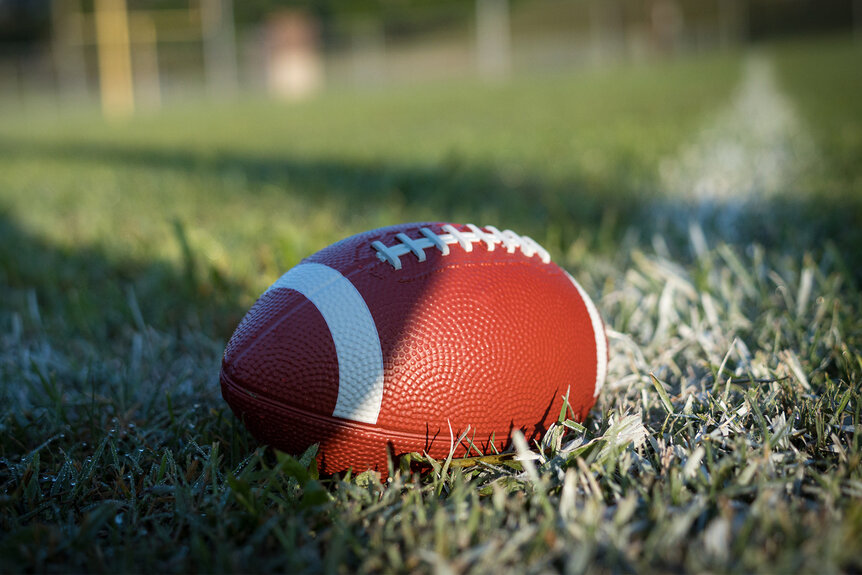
(141, 54)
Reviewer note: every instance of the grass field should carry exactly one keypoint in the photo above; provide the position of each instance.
(726, 438)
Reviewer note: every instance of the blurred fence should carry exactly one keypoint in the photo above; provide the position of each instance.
(129, 58)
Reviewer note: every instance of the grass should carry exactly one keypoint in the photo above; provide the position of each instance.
(727, 436)
(817, 78)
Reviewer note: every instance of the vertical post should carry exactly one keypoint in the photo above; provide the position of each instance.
(667, 25)
(115, 62)
(68, 47)
(367, 50)
(607, 33)
(217, 28)
(731, 21)
(493, 38)
(146, 60)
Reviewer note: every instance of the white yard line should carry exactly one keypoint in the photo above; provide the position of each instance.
(747, 154)
(751, 151)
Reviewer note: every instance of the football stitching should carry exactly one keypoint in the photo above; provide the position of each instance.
(490, 237)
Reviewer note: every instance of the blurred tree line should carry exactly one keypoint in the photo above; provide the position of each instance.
(29, 21)
(23, 21)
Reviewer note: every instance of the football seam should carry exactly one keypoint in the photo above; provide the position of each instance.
(374, 429)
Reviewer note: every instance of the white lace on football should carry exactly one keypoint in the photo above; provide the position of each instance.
(490, 237)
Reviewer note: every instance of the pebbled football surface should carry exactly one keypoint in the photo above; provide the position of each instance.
(363, 350)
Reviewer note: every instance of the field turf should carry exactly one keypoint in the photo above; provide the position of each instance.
(727, 436)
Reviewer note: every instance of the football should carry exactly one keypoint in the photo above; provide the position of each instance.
(400, 339)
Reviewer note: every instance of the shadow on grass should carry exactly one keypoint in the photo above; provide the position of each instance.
(85, 293)
(450, 189)
(90, 344)
(95, 290)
